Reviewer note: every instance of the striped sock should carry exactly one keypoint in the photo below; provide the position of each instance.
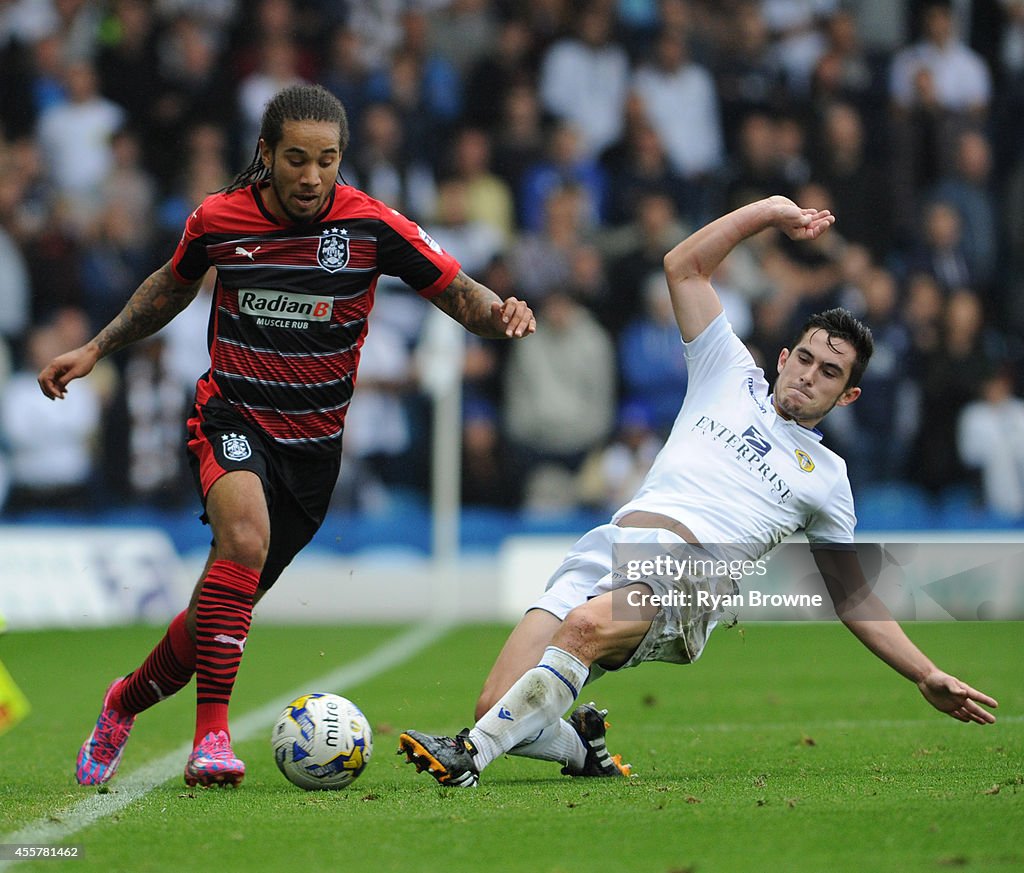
(222, 625)
(537, 699)
(166, 670)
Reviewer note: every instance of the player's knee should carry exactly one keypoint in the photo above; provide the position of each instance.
(243, 542)
(583, 634)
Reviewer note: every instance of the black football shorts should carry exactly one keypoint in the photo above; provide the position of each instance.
(298, 487)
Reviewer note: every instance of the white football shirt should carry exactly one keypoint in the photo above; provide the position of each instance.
(737, 473)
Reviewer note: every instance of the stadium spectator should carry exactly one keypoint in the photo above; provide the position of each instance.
(204, 170)
(495, 73)
(756, 167)
(15, 288)
(378, 436)
(940, 69)
(464, 31)
(560, 394)
(490, 198)
(346, 74)
(519, 140)
(938, 86)
(265, 436)
(681, 103)
(922, 312)
(52, 450)
(488, 479)
(612, 474)
(747, 78)
(115, 259)
(193, 89)
(588, 277)
(17, 103)
(584, 79)
(565, 163)
(76, 141)
(940, 248)
(277, 68)
(124, 61)
(275, 22)
(653, 368)
(387, 167)
(421, 85)
(808, 276)
(455, 230)
(699, 495)
(968, 190)
(990, 438)
(543, 260)
(213, 14)
(634, 253)
(950, 376)
(874, 434)
(129, 187)
(791, 133)
(637, 165)
(143, 461)
(846, 71)
(378, 26)
(857, 182)
(797, 34)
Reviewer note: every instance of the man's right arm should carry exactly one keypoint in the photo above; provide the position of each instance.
(688, 266)
(870, 621)
(155, 303)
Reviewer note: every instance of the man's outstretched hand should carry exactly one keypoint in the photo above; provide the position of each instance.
(799, 223)
(513, 317)
(953, 697)
(54, 378)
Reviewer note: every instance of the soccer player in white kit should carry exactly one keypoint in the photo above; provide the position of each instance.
(741, 467)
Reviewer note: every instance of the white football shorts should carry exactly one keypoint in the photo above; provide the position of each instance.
(677, 634)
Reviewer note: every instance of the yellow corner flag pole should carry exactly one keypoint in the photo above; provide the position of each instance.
(14, 705)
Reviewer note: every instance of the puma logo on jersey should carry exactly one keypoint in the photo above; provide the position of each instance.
(231, 641)
(240, 251)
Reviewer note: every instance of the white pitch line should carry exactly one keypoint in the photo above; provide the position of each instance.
(841, 724)
(124, 792)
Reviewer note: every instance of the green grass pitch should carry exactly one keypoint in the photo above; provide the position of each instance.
(786, 748)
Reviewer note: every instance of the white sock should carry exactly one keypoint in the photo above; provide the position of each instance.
(557, 742)
(537, 700)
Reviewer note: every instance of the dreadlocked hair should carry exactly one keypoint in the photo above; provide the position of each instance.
(297, 103)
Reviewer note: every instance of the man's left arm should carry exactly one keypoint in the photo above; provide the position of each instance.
(870, 621)
(477, 308)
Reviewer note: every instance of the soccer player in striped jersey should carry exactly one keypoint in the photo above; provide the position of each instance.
(297, 255)
(741, 470)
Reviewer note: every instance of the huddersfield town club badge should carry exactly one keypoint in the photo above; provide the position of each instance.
(236, 446)
(332, 252)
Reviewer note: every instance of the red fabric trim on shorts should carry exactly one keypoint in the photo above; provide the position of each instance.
(209, 470)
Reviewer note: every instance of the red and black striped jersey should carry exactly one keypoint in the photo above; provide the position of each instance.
(291, 303)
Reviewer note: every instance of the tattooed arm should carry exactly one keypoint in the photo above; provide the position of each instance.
(155, 302)
(481, 311)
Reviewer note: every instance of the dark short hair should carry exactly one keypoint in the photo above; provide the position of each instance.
(842, 324)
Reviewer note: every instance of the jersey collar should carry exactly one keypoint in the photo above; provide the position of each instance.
(328, 206)
(812, 432)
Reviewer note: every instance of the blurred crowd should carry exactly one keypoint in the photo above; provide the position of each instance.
(558, 148)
